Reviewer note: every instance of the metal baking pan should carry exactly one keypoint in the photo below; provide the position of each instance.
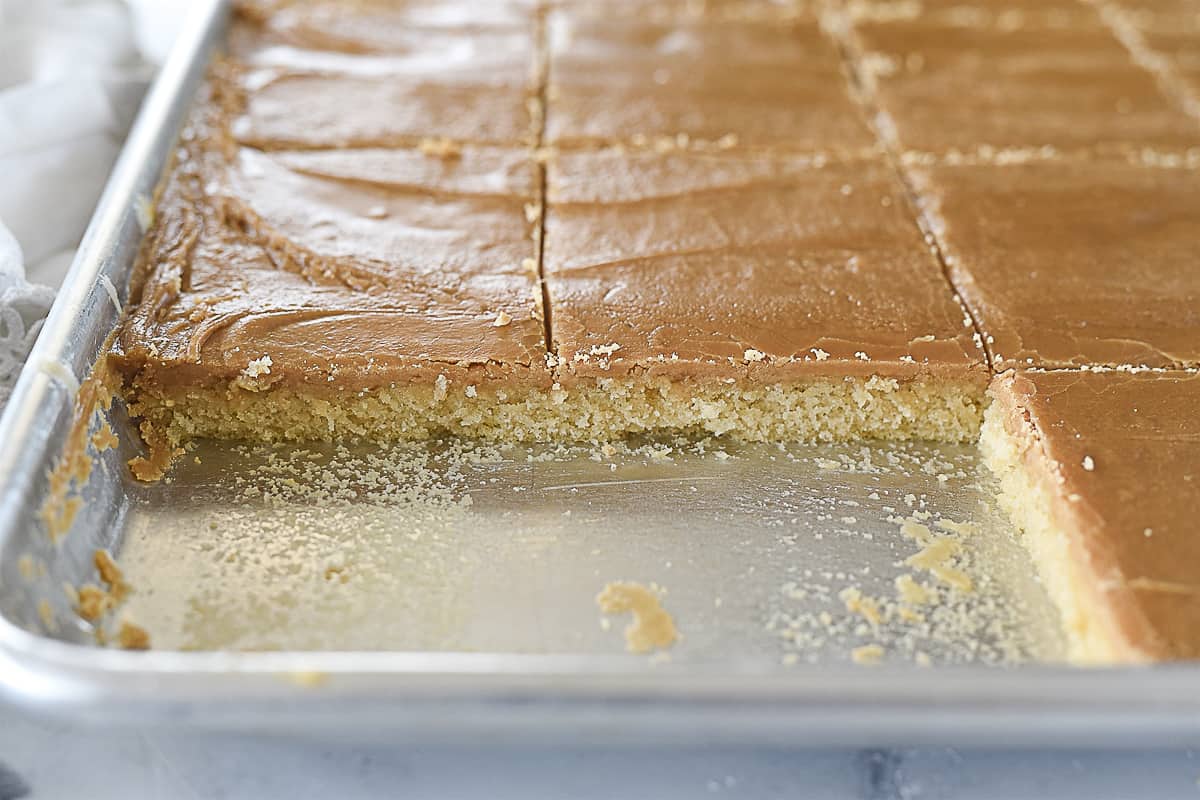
(503, 637)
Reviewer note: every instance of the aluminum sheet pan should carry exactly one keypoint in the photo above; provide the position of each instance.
(464, 609)
(441, 546)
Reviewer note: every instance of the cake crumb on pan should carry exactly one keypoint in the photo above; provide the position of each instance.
(652, 628)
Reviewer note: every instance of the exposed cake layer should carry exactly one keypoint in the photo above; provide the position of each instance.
(750, 267)
(467, 405)
(1101, 470)
(1073, 263)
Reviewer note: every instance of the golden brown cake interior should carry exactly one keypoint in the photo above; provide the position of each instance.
(814, 409)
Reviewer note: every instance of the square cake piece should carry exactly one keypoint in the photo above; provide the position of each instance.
(328, 294)
(781, 296)
(1068, 263)
(360, 85)
(1101, 470)
(961, 76)
(698, 80)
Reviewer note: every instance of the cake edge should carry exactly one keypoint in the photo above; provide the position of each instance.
(1026, 493)
(808, 409)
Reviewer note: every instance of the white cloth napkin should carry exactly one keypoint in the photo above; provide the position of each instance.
(72, 73)
(22, 307)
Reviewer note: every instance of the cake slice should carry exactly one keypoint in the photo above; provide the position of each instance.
(780, 297)
(1101, 471)
(337, 294)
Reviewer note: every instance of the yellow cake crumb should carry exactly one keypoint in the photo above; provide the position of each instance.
(936, 558)
(104, 438)
(652, 627)
(911, 592)
(132, 637)
(25, 567)
(93, 602)
(936, 555)
(858, 603)
(867, 654)
(111, 575)
(308, 679)
(46, 615)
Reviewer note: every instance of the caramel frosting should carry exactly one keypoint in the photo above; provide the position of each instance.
(749, 84)
(348, 194)
(1178, 47)
(1169, 32)
(721, 265)
(1121, 453)
(359, 85)
(1021, 78)
(1074, 263)
(341, 270)
(683, 10)
(380, 25)
(1009, 15)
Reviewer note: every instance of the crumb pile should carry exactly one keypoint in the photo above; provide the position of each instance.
(320, 548)
(950, 590)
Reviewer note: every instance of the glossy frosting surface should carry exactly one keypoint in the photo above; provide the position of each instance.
(950, 79)
(326, 79)
(724, 265)
(758, 84)
(346, 270)
(1068, 263)
(716, 201)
